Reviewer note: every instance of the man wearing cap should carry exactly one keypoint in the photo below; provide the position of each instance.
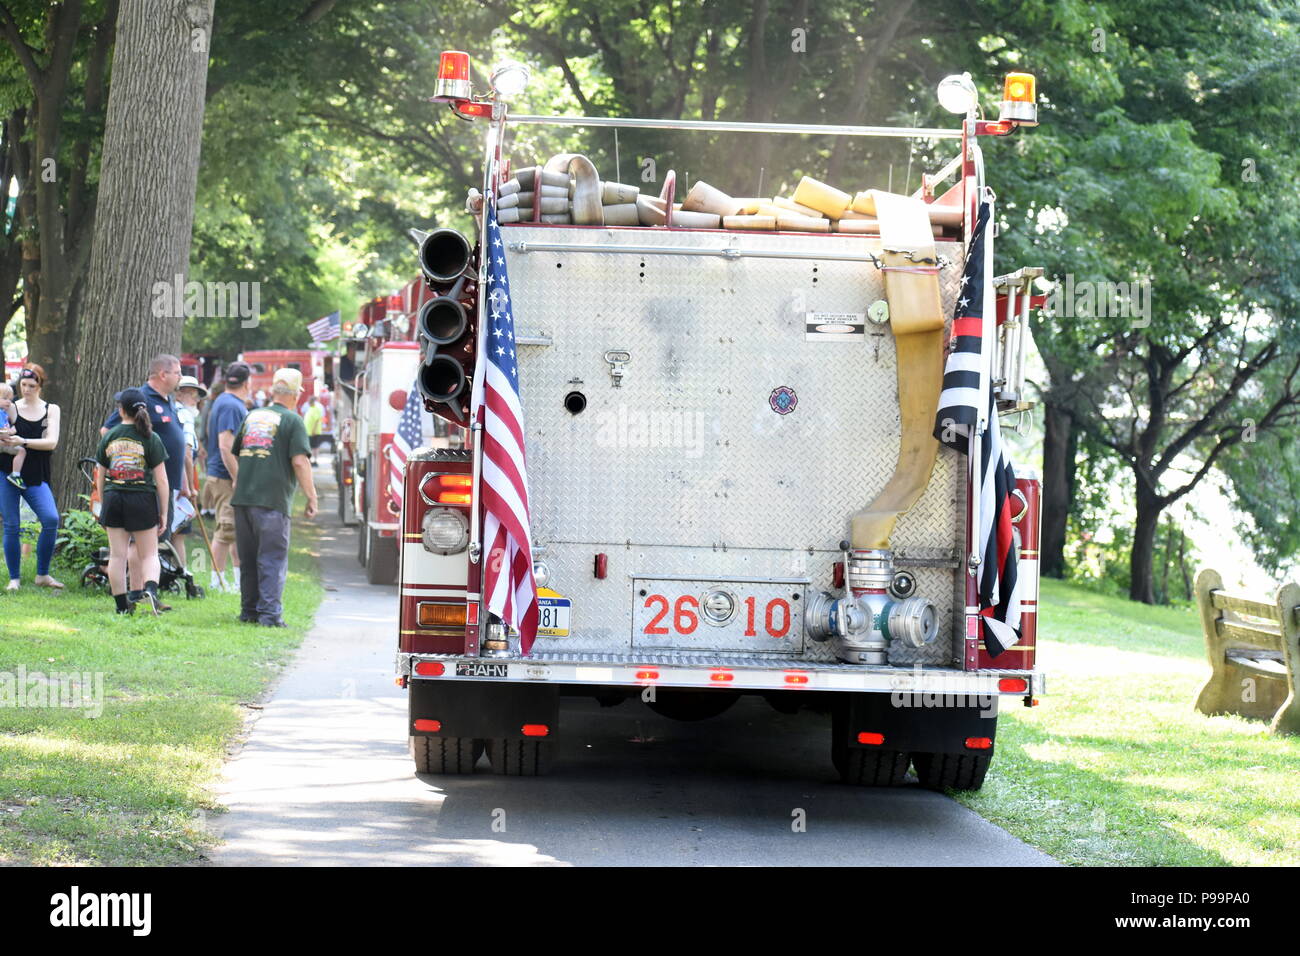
(225, 416)
(164, 374)
(272, 449)
(189, 392)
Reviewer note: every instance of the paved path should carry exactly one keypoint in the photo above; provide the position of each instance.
(325, 779)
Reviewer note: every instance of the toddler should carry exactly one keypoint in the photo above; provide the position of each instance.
(8, 413)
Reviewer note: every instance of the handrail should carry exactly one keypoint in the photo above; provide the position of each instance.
(901, 132)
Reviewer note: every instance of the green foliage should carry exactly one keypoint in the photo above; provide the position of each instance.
(79, 541)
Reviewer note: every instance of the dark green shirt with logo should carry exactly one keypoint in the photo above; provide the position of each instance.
(129, 458)
(266, 444)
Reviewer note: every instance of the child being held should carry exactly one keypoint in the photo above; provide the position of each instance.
(8, 414)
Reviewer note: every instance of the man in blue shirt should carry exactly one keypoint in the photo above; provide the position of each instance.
(164, 376)
(226, 413)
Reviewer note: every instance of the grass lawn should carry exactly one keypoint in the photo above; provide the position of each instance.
(1115, 767)
(129, 786)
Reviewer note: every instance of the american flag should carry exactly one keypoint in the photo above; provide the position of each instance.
(323, 330)
(408, 437)
(968, 391)
(508, 585)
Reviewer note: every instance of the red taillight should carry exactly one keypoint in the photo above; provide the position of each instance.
(454, 489)
(979, 743)
(471, 615)
(647, 675)
(871, 739)
(432, 726)
(600, 567)
(535, 730)
(430, 668)
(1013, 685)
(722, 676)
(796, 678)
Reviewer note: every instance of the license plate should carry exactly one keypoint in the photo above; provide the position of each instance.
(717, 615)
(553, 616)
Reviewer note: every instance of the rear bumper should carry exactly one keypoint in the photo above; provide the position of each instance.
(731, 673)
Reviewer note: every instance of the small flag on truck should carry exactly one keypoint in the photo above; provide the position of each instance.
(325, 329)
(509, 589)
(965, 394)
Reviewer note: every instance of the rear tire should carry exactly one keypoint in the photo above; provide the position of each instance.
(445, 755)
(870, 768)
(952, 771)
(520, 758)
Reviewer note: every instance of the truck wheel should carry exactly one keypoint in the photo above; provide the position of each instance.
(445, 755)
(520, 758)
(381, 563)
(870, 768)
(952, 771)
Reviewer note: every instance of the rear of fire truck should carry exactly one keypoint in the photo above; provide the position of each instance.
(715, 421)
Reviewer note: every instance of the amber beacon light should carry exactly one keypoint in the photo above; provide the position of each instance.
(1020, 99)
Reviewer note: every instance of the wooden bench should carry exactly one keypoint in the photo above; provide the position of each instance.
(1252, 662)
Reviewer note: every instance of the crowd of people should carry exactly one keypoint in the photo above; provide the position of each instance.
(252, 451)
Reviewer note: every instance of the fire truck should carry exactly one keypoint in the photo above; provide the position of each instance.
(721, 429)
(369, 462)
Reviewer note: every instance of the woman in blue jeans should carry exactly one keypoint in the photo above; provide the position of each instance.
(36, 428)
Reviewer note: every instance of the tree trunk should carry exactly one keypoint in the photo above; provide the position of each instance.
(1060, 447)
(1141, 573)
(1164, 564)
(145, 212)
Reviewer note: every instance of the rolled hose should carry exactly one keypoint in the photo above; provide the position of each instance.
(587, 209)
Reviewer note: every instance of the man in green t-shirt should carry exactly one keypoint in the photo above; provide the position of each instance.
(270, 449)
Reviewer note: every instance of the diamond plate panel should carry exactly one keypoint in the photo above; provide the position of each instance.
(685, 468)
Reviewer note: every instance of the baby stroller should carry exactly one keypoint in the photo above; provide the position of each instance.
(172, 575)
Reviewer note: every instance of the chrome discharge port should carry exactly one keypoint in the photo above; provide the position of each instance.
(861, 624)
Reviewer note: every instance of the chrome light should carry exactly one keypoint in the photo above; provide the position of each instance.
(510, 79)
(444, 531)
(957, 93)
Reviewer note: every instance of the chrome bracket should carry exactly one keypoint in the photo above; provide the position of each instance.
(618, 359)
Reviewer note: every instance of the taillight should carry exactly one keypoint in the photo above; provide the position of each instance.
(647, 675)
(979, 743)
(437, 488)
(871, 739)
(535, 730)
(430, 668)
(1013, 685)
(431, 614)
(453, 489)
(796, 678)
(432, 726)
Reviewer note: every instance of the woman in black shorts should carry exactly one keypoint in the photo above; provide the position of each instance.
(132, 482)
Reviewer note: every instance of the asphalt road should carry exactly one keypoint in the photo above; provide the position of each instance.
(324, 777)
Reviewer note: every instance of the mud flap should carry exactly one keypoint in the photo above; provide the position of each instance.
(483, 709)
